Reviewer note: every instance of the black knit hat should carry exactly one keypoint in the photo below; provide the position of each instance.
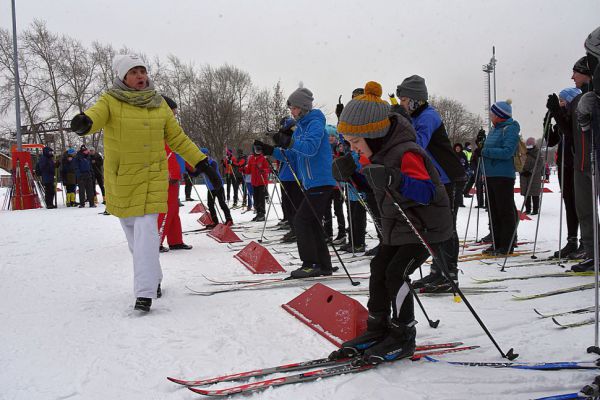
(581, 66)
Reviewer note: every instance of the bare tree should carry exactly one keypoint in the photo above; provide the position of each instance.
(461, 125)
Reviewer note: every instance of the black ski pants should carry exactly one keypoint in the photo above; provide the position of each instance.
(376, 214)
(390, 269)
(86, 189)
(232, 181)
(99, 179)
(359, 223)
(312, 246)
(218, 194)
(585, 209)
(259, 200)
(454, 190)
(188, 186)
(567, 180)
(337, 199)
(49, 194)
(292, 197)
(502, 209)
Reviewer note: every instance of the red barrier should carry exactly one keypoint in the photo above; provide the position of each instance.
(198, 208)
(523, 216)
(205, 219)
(334, 316)
(223, 234)
(258, 259)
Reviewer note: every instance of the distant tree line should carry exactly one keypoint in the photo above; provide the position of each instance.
(59, 76)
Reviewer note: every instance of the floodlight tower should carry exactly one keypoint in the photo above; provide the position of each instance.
(490, 69)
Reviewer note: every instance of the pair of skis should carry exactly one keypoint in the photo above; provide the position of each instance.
(326, 368)
(535, 276)
(577, 288)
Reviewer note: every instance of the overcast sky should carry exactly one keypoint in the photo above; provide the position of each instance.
(335, 46)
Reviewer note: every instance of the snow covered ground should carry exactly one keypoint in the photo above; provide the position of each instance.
(69, 331)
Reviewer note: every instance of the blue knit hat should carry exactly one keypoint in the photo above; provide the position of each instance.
(502, 109)
(569, 94)
(70, 151)
(204, 150)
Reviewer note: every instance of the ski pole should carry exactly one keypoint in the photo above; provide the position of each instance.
(562, 194)
(262, 235)
(312, 209)
(350, 220)
(433, 324)
(537, 226)
(511, 355)
(365, 206)
(470, 209)
(487, 201)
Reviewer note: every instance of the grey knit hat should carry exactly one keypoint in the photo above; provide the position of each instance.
(367, 115)
(413, 87)
(301, 98)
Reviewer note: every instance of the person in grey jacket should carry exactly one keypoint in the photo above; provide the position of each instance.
(531, 177)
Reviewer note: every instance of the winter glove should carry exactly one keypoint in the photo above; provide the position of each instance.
(381, 177)
(267, 149)
(343, 167)
(81, 124)
(552, 104)
(203, 167)
(584, 110)
(283, 138)
(339, 107)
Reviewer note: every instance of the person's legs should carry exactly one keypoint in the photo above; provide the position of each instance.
(585, 210)
(49, 194)
(338, 208)
(211, 206)
(143, 241)
(220, 194)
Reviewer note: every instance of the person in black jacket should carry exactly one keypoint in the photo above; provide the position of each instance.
(68, 176)
(98, 170)
(85, 177)
(45, 168)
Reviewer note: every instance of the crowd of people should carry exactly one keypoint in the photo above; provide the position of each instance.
(392, 162)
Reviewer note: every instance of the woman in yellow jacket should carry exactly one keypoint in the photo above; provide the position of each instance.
(137, 122)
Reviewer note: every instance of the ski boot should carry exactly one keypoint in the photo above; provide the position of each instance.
(569, 248)
(289, 237)
(434, 276)
(358, 248)
(158, 292)
(584, 266)
(310, 271)
(399, 343)
(442, 285)
(340, 238)
(372, 252)
(143, 304)
(579, 253)
(180, 246)
(486, 239)
(377, 329)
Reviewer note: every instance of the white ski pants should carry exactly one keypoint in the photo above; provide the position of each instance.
(142, 237)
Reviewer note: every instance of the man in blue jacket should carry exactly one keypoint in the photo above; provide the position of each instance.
(499, 168)
(432, 136)
(85, 177)
(45, 168)
(216, 194)
(309, 152)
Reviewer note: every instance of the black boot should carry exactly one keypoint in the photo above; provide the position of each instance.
(143, 304)
(443, 285)
(569, 248)
(158, 292)
(399, 343)
(340, 238)
(372, 252)
(377, 329)
(580, 253)
(434, 276)
(310, 271)
(486, 239)
(586, 265)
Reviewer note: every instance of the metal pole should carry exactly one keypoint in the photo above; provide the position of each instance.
(493, 62)
(17, 79)
(350, 220)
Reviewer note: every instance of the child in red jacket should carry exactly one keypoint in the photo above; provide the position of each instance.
(258, 166)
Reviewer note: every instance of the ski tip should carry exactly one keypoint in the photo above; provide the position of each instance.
(511, 355)
(200, 391)
(175, 380)
(537, 312)
(563, 327)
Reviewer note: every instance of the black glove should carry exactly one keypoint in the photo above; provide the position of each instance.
(81, 124)
(382, 177)
(553, 104)
(525, 174)
(283, 138)
(203, 167)
(267, 149)
(343, 168)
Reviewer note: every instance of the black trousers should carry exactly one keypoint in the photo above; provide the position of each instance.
(312, 246)
(292, 197)
(232, 181)
(359, 223)
(338, 207)
(536, 204)
(454, 190)
(568, 194)
(502, 209)
(218, 194)
(49, 194)
(259, 199)
(390, 269)
(86, 189)
(99, 179)
(188, 186)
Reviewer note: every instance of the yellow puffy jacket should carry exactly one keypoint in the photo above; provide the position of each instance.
(135, 163)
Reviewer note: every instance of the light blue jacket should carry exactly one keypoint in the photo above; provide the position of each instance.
(499, 149)
(310, 153)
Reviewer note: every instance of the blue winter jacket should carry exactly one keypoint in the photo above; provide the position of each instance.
(83, 165)
(285, 173)
(425, 124)
(499, 149)
(310, 153)
(45, 166)
(213, 164)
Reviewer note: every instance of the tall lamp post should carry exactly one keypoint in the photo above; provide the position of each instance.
(17, 80)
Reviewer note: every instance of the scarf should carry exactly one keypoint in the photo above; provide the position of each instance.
(147, 98)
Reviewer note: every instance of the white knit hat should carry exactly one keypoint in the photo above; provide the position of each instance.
(124, 62)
